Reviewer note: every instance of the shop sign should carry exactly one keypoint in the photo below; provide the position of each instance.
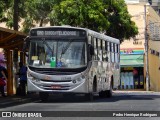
(128, 68)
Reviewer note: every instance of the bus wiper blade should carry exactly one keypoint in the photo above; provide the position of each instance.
(64, 49)
(47, 45)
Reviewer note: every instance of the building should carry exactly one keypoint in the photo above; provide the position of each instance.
(153, 31)
(155, 5)
(133, 57)
(132, 51)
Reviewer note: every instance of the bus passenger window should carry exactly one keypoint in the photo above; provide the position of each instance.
(91, 49)
(105, 56)
(116, 48)
(100, 55)
(95, 54)
(109, 57)
(112, 54)
(116, 57)
(92, 41)
(89, 39)
(95, 49)
(99, 44)
(95, 43)
(113, 47)
(108, 44)
(103, 45)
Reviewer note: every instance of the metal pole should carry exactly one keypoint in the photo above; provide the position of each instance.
(146, 50)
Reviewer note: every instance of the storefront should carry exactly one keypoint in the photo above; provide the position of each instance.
(132, 62)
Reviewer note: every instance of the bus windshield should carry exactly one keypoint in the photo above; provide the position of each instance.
(57, 53)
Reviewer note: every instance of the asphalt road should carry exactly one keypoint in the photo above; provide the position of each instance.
(122, 104)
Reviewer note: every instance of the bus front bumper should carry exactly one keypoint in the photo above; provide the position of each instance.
(58, 87)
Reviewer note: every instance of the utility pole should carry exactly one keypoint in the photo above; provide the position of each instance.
(146, 50)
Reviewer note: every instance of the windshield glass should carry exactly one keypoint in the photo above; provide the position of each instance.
(57, 54)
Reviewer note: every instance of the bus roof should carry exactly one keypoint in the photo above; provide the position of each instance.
(89, 32)
(103, 36)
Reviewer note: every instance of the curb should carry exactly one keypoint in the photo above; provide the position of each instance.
(128, 91)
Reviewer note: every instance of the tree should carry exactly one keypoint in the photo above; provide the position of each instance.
(82, 13)
(37, 13)
(1, 11)
(12, 12)
(30, 13)
(108, 16)
(4, 6)
(121, 25)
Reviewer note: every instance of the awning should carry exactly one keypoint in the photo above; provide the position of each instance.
(11, 39)
(132, 60)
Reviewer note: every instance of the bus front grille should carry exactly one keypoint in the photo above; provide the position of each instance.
(55, 73)
(50, 81)
(55, 87)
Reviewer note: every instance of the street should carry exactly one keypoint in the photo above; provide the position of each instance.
(122, 101)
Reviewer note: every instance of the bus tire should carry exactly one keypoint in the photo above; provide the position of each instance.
(102, 94)
(43, 96)
(89, 96)
(109, 92)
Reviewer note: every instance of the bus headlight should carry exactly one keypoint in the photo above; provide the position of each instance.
(74, 81)
(29, 74)
(35, 79)
(32, 78)
(78, 80)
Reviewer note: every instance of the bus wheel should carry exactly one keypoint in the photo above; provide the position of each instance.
(102, 94)
(43, 96)
(109, 92)
(89, 96)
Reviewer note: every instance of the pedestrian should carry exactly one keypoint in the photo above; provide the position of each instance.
(23, 78)
(3, 77)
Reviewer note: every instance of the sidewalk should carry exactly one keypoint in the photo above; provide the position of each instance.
(16, 100)
(136, 92)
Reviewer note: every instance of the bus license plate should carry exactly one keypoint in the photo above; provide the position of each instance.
(56, 86)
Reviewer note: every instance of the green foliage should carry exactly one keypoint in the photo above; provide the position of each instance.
(108, 16)
(4, 6)
(37, 13)
(89, 14)
(121, 25)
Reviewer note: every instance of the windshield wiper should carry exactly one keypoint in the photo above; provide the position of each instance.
(64, 49)
(43, 39)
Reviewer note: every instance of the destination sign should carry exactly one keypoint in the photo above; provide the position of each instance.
(57, 33)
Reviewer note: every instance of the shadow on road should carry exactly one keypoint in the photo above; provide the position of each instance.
(70, 98)
(116, 97)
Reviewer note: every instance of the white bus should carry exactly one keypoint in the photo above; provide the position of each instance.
(64, 59)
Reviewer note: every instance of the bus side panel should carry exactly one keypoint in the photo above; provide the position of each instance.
(100, 73)
(116, 75)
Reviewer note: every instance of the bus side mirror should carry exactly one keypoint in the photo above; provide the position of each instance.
(91, 49)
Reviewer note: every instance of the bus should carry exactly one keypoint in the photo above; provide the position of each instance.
(65, 59)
